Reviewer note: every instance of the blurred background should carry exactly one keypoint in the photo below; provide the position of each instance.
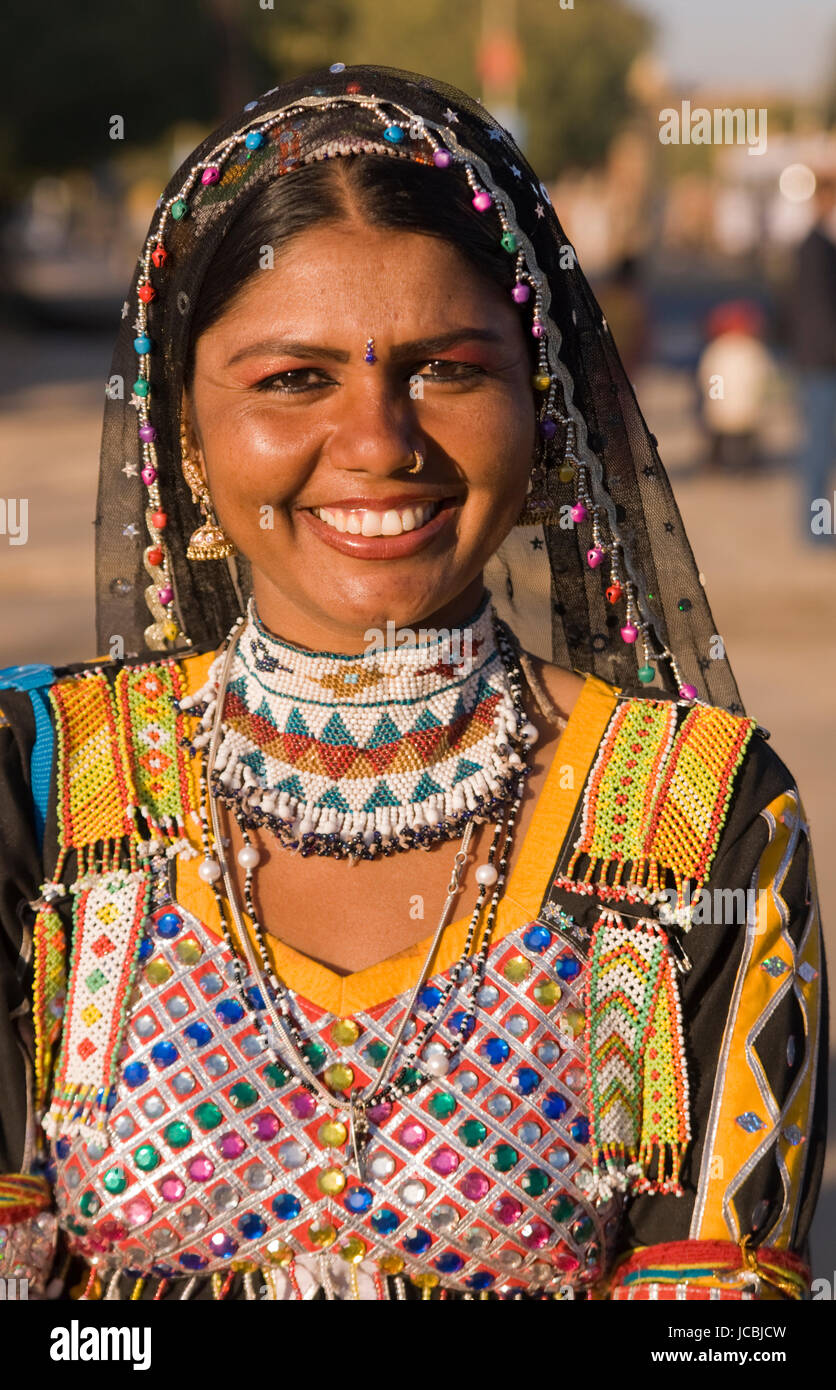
(714, 260)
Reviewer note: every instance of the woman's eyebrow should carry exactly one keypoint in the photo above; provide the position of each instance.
(418, 347)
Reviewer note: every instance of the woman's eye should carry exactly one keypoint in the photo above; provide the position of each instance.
(295, 379)
(445, 370)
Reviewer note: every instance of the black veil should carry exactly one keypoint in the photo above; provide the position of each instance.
(540, 579)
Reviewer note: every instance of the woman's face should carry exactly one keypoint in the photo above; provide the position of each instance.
(306, 447)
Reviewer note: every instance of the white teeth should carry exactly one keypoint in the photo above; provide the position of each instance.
(372, 524)
(393, 522)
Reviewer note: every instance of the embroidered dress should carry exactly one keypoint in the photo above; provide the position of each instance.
(616, 1124)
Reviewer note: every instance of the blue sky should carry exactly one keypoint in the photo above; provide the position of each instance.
(790, 44)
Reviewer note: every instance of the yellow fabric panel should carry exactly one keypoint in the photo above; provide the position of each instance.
(738, 1087)
(342, 994)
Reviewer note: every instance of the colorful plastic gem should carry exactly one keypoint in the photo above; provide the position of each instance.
(554, 1105)
(322, 1236)
(547, 993)
(474, 1186)
(442, 1105)
(535, 1181)
(385, 1221)
(199, 1032)
(419, 1241)
(472, 1133)
(331, 1181)
(135, 1073)
(358, 1199)
(412, 1135)
(275, 1075)
(537, 938)
(177, 1135)
(168, 925)
(207, 1115)
(146, 1157)
(381, 1165)
(504, 1158)
(526, 1080)
(286, 1206)
(332, 1134)
(201, 1168)
(345, 1032)
(89, 1203)
(495, 1049)
(229, 1011)
(339, 1077)
(517, 969)
(242, 1095)
(444, 1162)
(252, 1225)
(265, 1126)
(314, 1054)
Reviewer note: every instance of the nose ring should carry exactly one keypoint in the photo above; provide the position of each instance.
(419, 461)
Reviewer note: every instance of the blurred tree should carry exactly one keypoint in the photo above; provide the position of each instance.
(70, 68)
(573, 90)
(576, 96)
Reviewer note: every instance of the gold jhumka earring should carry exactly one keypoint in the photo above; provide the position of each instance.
(209, 541)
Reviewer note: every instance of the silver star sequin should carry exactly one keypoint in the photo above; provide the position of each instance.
(126, 309)
(450, 116)
(516, 172)
(130, 530)
(130, 470)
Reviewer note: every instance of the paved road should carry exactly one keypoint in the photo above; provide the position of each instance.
(774, 600)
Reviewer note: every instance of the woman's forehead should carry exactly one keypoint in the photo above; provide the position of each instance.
(327, 273)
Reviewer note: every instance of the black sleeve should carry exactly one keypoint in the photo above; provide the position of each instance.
(21, 875)
(754, 1008)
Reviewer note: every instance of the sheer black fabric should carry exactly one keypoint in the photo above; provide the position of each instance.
(627, 476)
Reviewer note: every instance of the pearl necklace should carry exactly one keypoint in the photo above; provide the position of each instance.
(357, 756)
(278, 1028)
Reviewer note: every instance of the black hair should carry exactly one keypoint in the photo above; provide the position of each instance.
(386, 192)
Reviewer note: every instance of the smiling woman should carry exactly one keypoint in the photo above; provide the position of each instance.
(363, 969)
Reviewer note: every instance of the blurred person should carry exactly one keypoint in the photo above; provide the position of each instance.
(234, 1063)
(811, 323)
(734, 375)
(624, 302)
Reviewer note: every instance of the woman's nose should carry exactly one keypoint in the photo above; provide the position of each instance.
(376, 431)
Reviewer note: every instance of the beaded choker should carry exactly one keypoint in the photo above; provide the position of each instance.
(359, 755)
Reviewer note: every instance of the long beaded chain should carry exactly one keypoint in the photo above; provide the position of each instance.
(278, 998)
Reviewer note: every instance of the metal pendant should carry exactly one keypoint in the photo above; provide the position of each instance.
(360, 1134)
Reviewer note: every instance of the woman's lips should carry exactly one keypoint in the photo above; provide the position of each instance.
(381, 547)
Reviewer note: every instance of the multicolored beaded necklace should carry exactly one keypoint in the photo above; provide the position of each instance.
(271, 1006)
(354, 756)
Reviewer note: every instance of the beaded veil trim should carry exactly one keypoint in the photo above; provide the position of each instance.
(395, 747)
